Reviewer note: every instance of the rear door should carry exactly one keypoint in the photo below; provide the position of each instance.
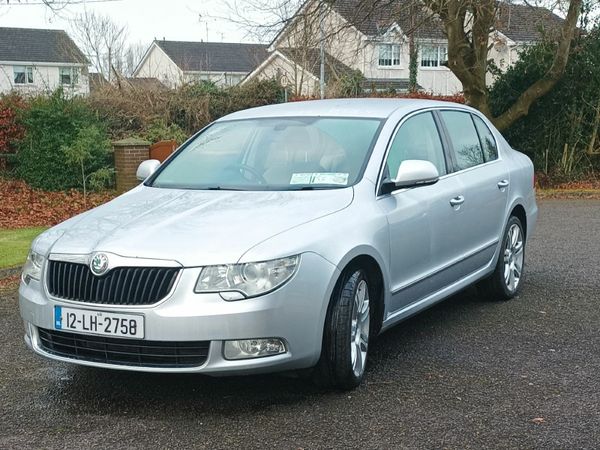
(484, 180)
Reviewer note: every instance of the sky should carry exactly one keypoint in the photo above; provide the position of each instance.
(145, 19)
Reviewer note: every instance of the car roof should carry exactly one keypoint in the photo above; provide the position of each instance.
(356, 107)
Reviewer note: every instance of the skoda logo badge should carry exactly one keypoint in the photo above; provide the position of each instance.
(99, 264)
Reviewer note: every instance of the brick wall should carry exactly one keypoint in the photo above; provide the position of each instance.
(128, 154)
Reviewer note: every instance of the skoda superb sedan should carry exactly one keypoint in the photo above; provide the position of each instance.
(285, 237)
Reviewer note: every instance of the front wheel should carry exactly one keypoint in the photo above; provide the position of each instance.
(507, 278)
(346, 334)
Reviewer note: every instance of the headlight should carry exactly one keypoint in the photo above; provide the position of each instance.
(33, 267)
(238, 281)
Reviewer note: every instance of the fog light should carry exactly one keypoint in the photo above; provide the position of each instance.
(253, 348)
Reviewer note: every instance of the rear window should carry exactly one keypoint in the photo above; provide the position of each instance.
(490, 151)
(464, 137)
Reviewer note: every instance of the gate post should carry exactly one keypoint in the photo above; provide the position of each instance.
(128, 154)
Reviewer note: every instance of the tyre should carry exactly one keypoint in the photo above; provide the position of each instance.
(507, 278)
(346, 334)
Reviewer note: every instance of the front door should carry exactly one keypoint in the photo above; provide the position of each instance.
(417, 216)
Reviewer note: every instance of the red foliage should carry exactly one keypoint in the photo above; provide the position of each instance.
(9, 282)
(10, 128)
(23, 206)
(579, 185)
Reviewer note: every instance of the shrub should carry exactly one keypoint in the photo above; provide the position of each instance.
(11, 129)
(51, 124)
(179, 112)
(562, 129)
(89, 153)
(348, 85)
(159, 130)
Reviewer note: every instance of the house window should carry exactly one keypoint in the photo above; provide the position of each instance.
(23, 74)
(68, 75)
(434, 55)
(389, 55)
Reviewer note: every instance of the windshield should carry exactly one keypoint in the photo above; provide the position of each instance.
(273, 154)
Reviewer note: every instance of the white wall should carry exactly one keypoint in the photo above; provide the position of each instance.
(157, 64)
(219, 78)
(46, 78)
(290, 75)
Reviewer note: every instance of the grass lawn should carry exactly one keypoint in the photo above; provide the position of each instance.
(14, 245)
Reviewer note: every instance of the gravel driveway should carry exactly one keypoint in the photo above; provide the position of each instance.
(464, 374)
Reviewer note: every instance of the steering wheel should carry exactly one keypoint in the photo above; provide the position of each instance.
(251, 170)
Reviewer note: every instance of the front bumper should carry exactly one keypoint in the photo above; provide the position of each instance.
(295, 312)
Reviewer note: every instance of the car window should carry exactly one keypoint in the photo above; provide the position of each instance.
(464, 138)
(417, 138)
(490, 151)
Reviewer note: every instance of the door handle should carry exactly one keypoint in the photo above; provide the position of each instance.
(503, 184)
(457, 201)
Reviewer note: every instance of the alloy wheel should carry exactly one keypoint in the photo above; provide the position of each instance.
(359, 337)
(513, 257)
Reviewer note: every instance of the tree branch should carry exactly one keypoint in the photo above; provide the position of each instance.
(545, 84)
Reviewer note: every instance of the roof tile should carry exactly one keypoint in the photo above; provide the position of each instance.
(214, 56)
(521, 23)
(37, 46)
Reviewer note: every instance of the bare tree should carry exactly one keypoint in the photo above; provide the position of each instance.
(103, 41)
(261, 19)
(54, 5)
(132, 55)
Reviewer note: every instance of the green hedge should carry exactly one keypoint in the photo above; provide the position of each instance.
(558, 133)
(54, 123)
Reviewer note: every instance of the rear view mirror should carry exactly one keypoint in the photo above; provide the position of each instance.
(147, 168)
(412, 173)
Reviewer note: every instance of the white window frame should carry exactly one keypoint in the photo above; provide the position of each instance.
(73, 76)
(27, 70)
(439, 61)
(393, 47)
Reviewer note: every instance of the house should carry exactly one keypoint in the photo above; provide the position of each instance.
(375, 40)
(177, 62)
(35, 60)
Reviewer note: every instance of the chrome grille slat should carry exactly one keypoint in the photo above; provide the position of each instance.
(120, 286)
(127, 297)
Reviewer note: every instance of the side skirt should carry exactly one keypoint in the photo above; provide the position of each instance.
(439, 295)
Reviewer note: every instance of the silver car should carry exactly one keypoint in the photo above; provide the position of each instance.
(285, 237)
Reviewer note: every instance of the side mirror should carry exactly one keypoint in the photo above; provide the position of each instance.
(147, 168)
(412, 173)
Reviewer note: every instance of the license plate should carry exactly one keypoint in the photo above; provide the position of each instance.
(98, 322)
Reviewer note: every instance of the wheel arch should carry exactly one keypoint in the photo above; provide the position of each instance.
(518, 211)
(373, 264)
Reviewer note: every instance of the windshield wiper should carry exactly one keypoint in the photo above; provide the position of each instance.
(221, 188)
(315, 188)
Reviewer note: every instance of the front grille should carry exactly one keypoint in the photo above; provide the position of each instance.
(121, 286)
(126, 352)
